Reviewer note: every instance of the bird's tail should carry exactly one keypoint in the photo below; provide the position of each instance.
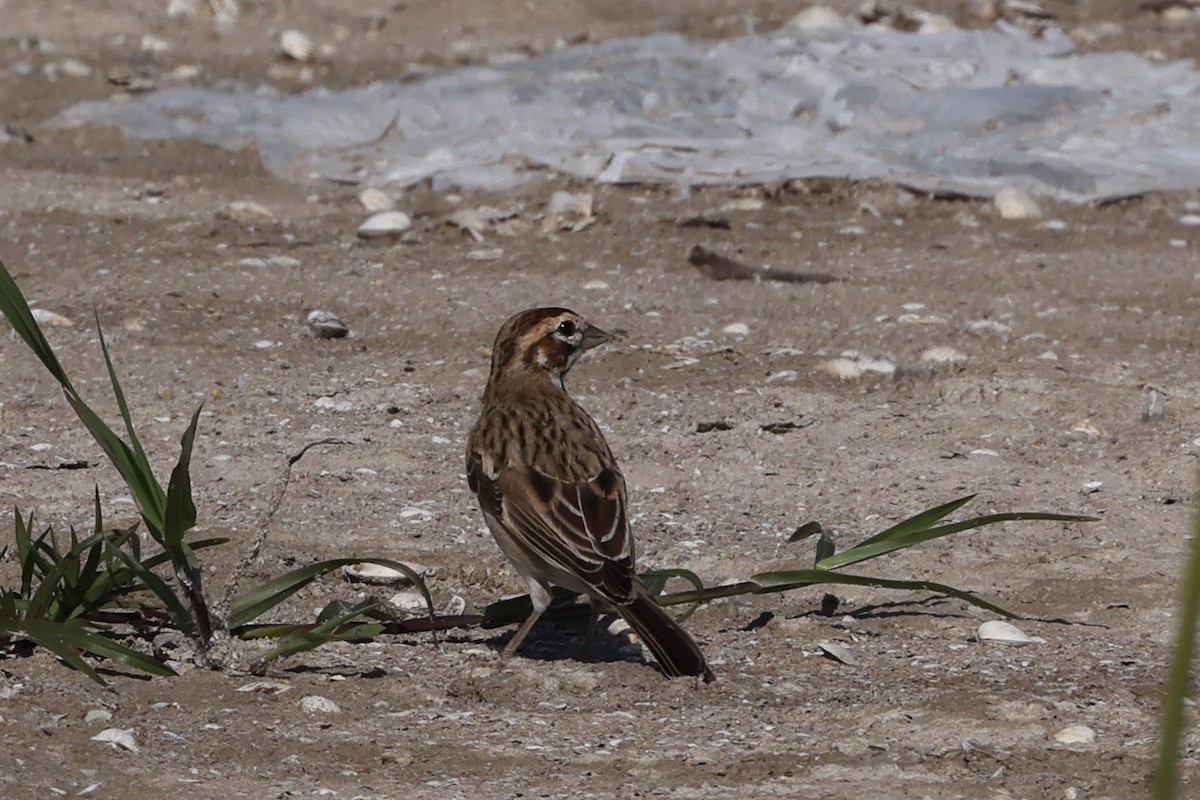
(677, 653)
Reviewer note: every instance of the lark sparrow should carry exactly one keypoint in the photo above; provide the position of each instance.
(551, 491)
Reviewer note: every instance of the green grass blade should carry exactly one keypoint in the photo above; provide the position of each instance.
(181, 510)
(875, 547)
(656, 579)
(806, 530)
(333, 628)
(53, 637)
(257, 602)
(14, 307)
(139, 455)
(162, 590)
(1179, 679)
(799, 578)
(921, 521)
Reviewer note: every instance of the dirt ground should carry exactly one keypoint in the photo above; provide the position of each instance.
(1082, 320)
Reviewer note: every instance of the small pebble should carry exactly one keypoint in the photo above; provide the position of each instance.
(593, 286)
(1054, 225)
(837, 652)
(375, 200)
(841, 368)
(818, 18)
(155, 45)
(1190, 220)
(332, 404)
(1013, 203)
(266, 686)
(384, 225)
(246, 212)
(296, 45)
(736, 329)
(325, 325)
(1075, 734)
(921, 319)
(1091, 487)
(44, 317)
(409, 602)
(315, 704)
(74, 68)
(981, 327)
(1154, 406)
(489, 254)
(97, 715)
(782, 375)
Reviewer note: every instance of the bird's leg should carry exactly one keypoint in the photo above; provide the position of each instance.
(593, 618)
(514, 643)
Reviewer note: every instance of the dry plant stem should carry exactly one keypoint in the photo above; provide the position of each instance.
(264, 526)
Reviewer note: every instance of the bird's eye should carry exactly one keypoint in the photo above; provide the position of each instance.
(566, 328)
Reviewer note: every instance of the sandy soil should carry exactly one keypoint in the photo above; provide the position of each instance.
(1044, 413)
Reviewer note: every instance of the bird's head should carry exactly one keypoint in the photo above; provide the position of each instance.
(543, 341)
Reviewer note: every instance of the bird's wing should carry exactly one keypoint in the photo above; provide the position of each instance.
(576, 527)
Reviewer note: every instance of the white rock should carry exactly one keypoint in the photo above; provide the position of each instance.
(97, 715)
(1075, 734)
(943, 355)
(43, 317)
(333, 404)
(782, 375)
(366, 572)
(736, 329)
(592, 286)
(837, 651)
(878, 364)
(385, 224)
(1190, 220)
(920, 319)
(264, 344)
(296, 45)
(325, 325)
(1014, 203)
(567, 203)
(315, 704)
(819, 17)
(185, 72)
(375, 200)
(1005, 633)
(117, 737)
(933, 23)
(1091, 487)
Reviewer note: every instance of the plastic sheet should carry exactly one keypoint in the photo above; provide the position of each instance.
(962, 112)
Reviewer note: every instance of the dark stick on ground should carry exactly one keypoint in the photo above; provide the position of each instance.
(722, 268)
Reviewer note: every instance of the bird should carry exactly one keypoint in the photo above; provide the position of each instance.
(551, 491)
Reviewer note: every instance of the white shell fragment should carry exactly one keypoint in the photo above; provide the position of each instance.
(296, 45)
(837, 652)
(385, 224)
(375, 200)
(325, 325)
(377, 574)
(1005, 633)
(1013, 203)
(117, 737)
(266, 686)
(97, 715)
(43, 317)
(409, 602)
(736, 329)
(315, 704)
(1076, 734)
(943, 355)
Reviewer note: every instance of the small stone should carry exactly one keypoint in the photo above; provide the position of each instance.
(332, 404)
(783, 375)
(818, 18)
(156, 45)
(1005, 633)
(736, 329)
(943, 355)
(1075, 734)
(981, 327)
(1091, 487)
(386, 224)
(920, 319)
(410, 602)
(315, 704)
(188, 9)
(1154, 406)
(117, 737)
(44, 317)
(185, 72)
(593, 286)
(266, 686)
(1013, 203)
(841, 368)
(1088, 429)
(375, 200)
(97, 715)
(74, 68)
(296, 45)
(489, 254)
(246, 212)
(325, 325)
(1191, 220)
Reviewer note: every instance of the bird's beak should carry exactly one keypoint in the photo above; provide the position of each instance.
(594, 337)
